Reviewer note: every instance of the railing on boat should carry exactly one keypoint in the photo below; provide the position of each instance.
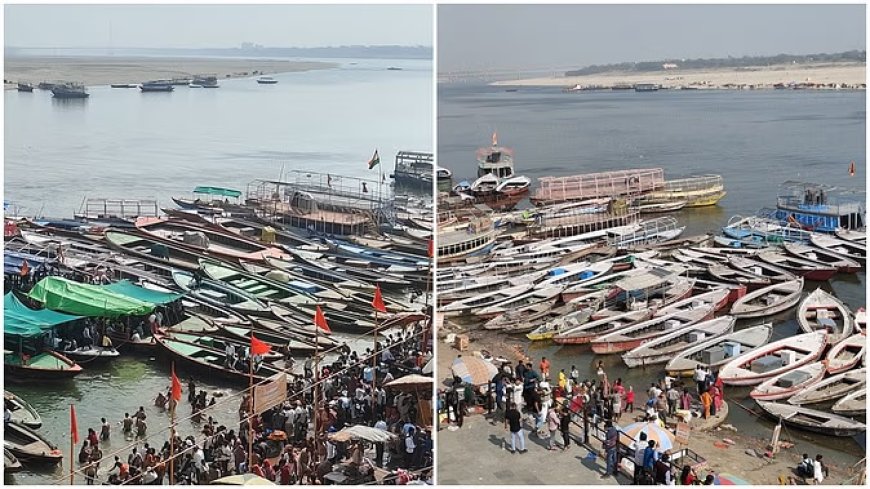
(118, 208)
(595, 185)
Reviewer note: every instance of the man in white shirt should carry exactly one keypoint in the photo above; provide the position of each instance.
(818, 470)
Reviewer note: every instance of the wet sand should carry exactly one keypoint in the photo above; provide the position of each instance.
(845, 74)
(109, 70)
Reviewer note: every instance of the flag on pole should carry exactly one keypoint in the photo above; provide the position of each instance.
(378, 301)
(375, 161)
(431, 249)
(258, 347)
(25, 268)
(175, 391)
(73, 424)
(320, 320)
(852, 168)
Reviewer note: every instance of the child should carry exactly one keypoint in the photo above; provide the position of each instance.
(629, 400)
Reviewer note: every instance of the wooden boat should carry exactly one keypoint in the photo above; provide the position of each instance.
(277, 338)
(770, 300)
(628, 338)
(854, 250)
(735, 291)
(655, 208)
(201, 239)
(152, 250)
(536, 295)
(262, 288)
(220, 294)
(807, 269)
(664, 348)
(209, 360)
(318, 274)
(854, 404)
(847, 353)
(88, 354)
(812, 420)
(22, 412)
(29, 446)
(320, 261)
(695, 258)
(816, 254)
(741, 342)
(10, 462)
(821, 311)
(758, 267)
(731, 275)
(483, 300)
(460, 289)
(574, 332)
(859, 235)
(221, 343)
(581, 311)
(45, 366)
(788, 383)
(716, 298)
(773, 359)
(831, 388)
(526, 318)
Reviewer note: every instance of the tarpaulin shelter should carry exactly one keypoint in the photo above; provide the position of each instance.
(129, 289)
(24, 322)
(60, 294)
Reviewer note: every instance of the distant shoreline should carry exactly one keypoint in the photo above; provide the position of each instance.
(832, 75)
(94, 70)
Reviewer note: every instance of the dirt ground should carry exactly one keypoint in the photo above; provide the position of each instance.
(722, 457)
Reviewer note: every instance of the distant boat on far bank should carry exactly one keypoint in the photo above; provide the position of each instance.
(69, 90)
(204, 81)
(123, 85)
(394, 68)
(25, 87)
(156, 86)
(266, 80)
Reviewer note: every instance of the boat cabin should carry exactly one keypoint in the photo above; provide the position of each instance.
(819, 208)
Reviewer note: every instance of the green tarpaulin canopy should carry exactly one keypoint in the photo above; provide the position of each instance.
(20, 320)
(223, 192)
(60, 294)
(128, 289)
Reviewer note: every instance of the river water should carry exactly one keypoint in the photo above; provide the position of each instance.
(123, 143)
(755, 139)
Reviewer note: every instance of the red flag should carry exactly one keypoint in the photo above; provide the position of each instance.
(73, 424)
(320, 320)
(431, 248)
(852, 168)
(176, 386)
(25, 268)
(258, 347)
(378, 301)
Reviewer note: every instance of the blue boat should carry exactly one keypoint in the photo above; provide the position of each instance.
(818, 208)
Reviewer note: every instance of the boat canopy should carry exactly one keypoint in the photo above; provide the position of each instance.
(14, 261)
(223, 192)
(20, 320)
(60, 294)
(129, 289)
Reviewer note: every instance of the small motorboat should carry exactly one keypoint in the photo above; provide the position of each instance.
(788, 383)
(769, 300)
(266, 80)
(22, 412)
(821, 311)
(194, 85)
(812, 420)
(25, 87)
(29, 446)
(855, 404)
(87, 354)
(831, 388)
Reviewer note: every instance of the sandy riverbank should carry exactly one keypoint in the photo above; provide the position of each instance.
(108, 70)
(720, 457)
(844, 74)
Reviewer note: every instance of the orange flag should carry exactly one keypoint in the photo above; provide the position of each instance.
(378, 301)
(176, 386)
(852, 168)
(320, 320)
(258, 347)
(25, 268)
(73, 424)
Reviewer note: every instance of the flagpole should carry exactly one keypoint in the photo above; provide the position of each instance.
(316, 389)
(251, 412)
(173, 404)
(375, 366)
(72, 449)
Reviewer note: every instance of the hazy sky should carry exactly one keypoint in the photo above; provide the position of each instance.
(473, 37)
(195, 26)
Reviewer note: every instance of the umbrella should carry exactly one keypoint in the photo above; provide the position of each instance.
(427, 369)
(664, 439)
(243, 480)
(411, 382)
(473, 370)
(732, 480)
(361, 432)
(278, 435)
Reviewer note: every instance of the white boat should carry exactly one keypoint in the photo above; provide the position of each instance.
(812, 419)
(266, 80)
(485, 183)
(655, 208)
(194, 85)
(731, 345)
(536, 295)
(573, 331)
(847, 353)
(770, 300)
(727, 274)
(855, 404)
(487, 299)
(816, 254)
(761, 268)
(664, 348)
(788, 383)
(459, 289)
(810, 270)
(756, 366)
(859, 235)
(717, 298)
(854, 250)
(583, 309)
(821, 311)
(831, 388)
(631, 337)
(513, 185)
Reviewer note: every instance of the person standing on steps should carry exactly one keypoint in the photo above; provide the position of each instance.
(513, 422)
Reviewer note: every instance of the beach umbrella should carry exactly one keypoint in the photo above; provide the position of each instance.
(411, 383)
(732, 480)
(243, 480)
(664, 439)
(473, 370)
(362, 432)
